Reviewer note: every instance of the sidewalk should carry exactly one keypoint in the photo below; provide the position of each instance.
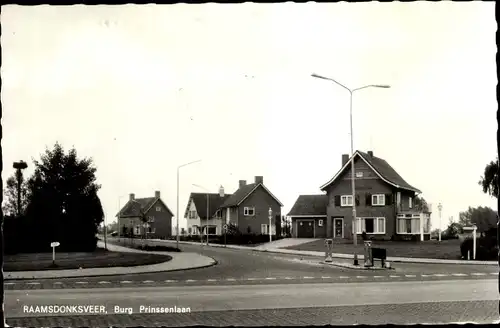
(264, 248)
(179, 261)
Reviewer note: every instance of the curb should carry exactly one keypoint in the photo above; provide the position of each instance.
(359, 267)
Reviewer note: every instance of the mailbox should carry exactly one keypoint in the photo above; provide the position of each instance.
(368, 254)
(328, 251)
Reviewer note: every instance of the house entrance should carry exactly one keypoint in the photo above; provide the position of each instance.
(338, 226)
(305, 229)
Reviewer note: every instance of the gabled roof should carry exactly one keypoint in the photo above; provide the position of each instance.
(309, 205)
(200, 201)
(241, 194)
(380, 167)
(134, 207)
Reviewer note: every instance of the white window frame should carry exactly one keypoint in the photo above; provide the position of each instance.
(247, 210)
(263, 229)
(151, 219)
(192, 214)
(410, 202)
(376, 200)
(344, 200)
(414, 217)
(359, 174)
(320, 222)
(137, 230)
(361, 225)
(158, 208)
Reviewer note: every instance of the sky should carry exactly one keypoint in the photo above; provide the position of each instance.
(144, 89)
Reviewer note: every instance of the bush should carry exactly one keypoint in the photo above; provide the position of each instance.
(486, 248)
(158, 248)
(243, 239)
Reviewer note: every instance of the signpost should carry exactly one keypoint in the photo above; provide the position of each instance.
(329, 248)
(225, 230)
(54, 244)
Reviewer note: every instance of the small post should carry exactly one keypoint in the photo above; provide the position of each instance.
(474, 242)
(328, 252)
(468, 255)
(54, 245)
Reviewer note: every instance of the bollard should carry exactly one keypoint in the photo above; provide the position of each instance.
(368, 257)
(328, 251)
(468, 255)
(387, 265)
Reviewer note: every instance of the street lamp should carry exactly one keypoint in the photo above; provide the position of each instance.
(178, 169)
(19, 166)
(351, 91)
(440, 207)
(270, 224)
(208, 209)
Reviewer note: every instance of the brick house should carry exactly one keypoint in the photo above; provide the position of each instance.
(384, 205)
(149, 217)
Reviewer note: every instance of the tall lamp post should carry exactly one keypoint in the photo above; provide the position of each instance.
(351, 91)
(440, 207)
(177, 215)
(19, 166)
(270, 224)
(208, 210)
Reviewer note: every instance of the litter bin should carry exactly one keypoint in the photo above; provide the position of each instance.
(328, 251)
(368, 254)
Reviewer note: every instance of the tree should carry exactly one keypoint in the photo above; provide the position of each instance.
(9, 206)
(489, 181)
(420, 204)
(483, 217)
(63, 201)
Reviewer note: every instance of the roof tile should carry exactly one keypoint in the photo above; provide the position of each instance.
(309, 205)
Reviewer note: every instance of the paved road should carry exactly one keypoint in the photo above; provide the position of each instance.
(336, 303)
(249, 267)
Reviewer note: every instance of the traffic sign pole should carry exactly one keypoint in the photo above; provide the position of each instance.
(225, 230)
(54, 245)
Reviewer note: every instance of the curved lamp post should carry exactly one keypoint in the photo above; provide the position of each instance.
(440, 207)
(351, 91)
(270, 212)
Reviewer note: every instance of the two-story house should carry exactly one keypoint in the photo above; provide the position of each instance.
(384, 204)
(203, 212)
(148, 217)
(247, 208)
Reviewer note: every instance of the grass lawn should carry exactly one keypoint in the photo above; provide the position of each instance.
(98, 259)
(446, 249)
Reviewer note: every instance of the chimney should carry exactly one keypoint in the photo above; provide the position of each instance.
(131, 196)
(242, 183)
(259, 179)
(345, 158)
(157, 194)
(221, 191)
(370, 153)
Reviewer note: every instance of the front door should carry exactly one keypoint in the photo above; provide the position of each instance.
(338, 228)
(305, 229)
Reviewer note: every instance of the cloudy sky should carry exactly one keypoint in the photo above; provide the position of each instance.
(143, 89)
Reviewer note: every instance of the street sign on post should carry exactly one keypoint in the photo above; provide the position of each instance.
(329, 247)
(54, 244)
(225, 230)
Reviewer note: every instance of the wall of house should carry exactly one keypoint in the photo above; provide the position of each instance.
(405, 201)
(370, 183)
(162, 223)
(233, 216)
(192, 223)
(261, 201)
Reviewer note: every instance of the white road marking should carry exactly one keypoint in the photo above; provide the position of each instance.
(410, 275)
(270, 278)
(170, 280)
(81, 282)
(211, 279)
(125, 282)
(252, 278)
(230, 279)
(308, 277)
(440, 275)
(10, 283)
(288, 278)
(33, 283)
(478, 274)
(190, 280)
(148, 282)
(58, 283)
(394, 276)
(459, 274)
(360, 277)
(343, 277)
(325, 277)
(104, 282)
(426, 275)
(378, 276)
(494, 273)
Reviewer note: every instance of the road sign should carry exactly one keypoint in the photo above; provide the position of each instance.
(54, 244)
(225, 226)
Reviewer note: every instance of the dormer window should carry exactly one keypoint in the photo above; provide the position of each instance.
(249, 211)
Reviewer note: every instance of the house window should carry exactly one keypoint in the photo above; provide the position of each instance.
(378, 200)
(212, 230)
(218, 214)
(320, 223)
(189, 230)
(137, 230)
(359, 174)
(263, 229)
(151, 230)
(410, 202)
(151, 219)
(346, 200)
(249, 211)
(158, 208)
(408, 225)
(370, 225)
(192, 214)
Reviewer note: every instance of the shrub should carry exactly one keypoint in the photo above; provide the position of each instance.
(486, 248)
(158, 248)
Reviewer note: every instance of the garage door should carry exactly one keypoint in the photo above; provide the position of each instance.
(305, 229)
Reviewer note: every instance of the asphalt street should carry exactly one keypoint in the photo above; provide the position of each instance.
(394, 302)
(251, 267)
